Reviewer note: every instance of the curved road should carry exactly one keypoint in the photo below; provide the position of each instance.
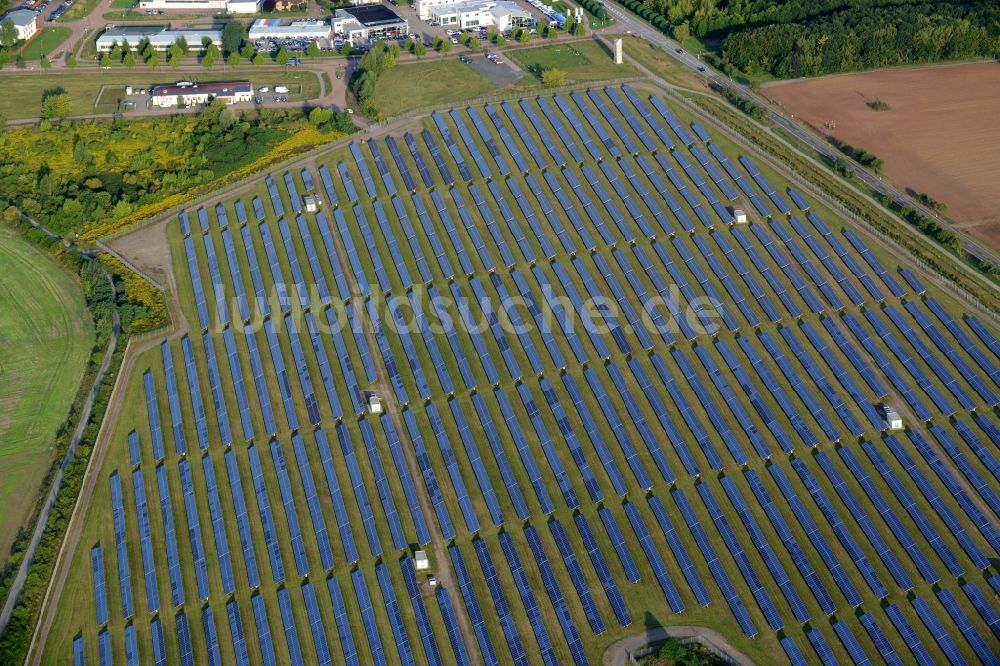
(642, 29)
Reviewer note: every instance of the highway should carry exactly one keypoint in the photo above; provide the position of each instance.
(640, 28)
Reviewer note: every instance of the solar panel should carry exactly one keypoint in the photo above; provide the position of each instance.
(795, 656)
(121, 546)
(260, 381)
(425, 174)
(145, 541)
(982, 605)
(399, 539)
(153, 415)
(882, 644)
(170, 537)
(908, 635)
(291, 514)
(840, 530)
(475, 461)
(680, 553)
(239, 387)
(397, 158)
(575, 572)
(556, 598)
(430, 479)
(236, 632)
(451, 627)
(759, 540)
(315, 619)
(653, 557)
(266, 516)
(184, 639)
(400, 637)
(218, 527)
(784, 533)
(822, 648)
(451, 464)
(405, 479)
(100, 585)
(814, 535)
(937, 631)
(965, 628)
(367, 616)
(104, 648)
(264, 640)
(381, 167)
(947, 477)
(159, 648)
(924, 527)
(366, 175)
(548, 448)
(546, 651)
(336, 497)
(420, 612)
(211, 636)
(360, 494)
(131, 646)
(288, 623)
(613, 416)
(308, 486)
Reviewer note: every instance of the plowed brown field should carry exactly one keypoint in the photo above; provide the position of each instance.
(942, 135)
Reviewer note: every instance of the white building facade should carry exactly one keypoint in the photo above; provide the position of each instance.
(309, 29)
(500, 14)
(232, 92)
(25, 22)
(160, 38)
(228, 6)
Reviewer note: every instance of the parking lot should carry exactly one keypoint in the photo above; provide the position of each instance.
(501, 72)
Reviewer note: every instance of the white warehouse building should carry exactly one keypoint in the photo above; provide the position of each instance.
(310, 29)
(500, 14)
(228, 6)
(161, 38)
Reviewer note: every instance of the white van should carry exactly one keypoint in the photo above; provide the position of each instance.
(281, 89)
(263, 89)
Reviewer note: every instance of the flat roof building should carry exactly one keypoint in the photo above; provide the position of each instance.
(309, 29)
(160, 37)
(228, 6)
(501, 14)
(230, 92)
(362, 24)
(25, 22)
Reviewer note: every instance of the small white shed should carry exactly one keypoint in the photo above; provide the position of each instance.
(374, 404)
(892, 418)
(739, 216)
(420, 560)
(311, 203)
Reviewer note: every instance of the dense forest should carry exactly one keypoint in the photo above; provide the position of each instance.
(813, 37)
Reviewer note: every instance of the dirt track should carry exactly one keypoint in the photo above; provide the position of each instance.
(940, 137)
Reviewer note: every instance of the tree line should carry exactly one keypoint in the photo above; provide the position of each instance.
(797, 38)
(868, 38)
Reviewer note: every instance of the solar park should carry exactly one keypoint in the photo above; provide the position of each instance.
(571, 485)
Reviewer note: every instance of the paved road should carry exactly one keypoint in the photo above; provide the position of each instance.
(638, 27)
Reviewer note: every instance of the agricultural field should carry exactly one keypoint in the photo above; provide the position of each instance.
(938, 136)
(606, 406)
(46, 334)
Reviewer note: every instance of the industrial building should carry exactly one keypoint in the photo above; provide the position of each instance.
(160, 37)
(358, 25)
(25, 22)
(228, 6)
(500, 14)
(230, 92)
(278, 29)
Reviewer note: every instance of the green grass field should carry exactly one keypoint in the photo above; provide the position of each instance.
(413, 86)
(644, 421)
(46, 336)
(582, 60)
(47, 43)
(25, 91)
